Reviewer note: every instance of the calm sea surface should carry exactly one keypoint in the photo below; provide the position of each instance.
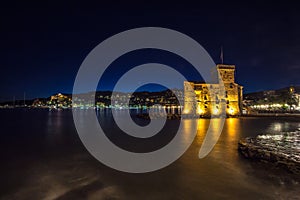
(42, 157)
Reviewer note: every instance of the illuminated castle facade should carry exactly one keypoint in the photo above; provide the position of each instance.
(213, 99)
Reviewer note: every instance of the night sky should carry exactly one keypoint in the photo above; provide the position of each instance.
(43, 45)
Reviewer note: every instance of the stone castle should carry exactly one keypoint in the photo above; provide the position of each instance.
(222, 96)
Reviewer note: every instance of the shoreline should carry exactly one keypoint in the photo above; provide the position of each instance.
(179, 116)
(272, 115)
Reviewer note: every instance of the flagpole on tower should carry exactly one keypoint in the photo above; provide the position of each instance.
(222, 56)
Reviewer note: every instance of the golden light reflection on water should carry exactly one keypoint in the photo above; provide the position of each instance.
(212, 125)
(233, 126)
(229, 136)
(202, 127)
(187, 129)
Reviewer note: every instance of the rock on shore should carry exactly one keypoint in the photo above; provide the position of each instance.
(281, 150)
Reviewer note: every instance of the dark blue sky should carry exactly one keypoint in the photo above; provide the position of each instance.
(43, 45)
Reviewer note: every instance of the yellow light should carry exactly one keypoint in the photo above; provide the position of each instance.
(231, 111)
(186, 111)
(200, 111)
(216, 111)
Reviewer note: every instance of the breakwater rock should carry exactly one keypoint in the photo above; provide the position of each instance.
(281, 150)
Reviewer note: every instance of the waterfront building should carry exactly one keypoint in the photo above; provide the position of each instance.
(223, 95)
(282, 100)
(295, 97)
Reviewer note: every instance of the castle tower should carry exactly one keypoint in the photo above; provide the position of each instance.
(233, 91)
(226, 73)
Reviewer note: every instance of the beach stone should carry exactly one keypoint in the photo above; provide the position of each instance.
(283, 150)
